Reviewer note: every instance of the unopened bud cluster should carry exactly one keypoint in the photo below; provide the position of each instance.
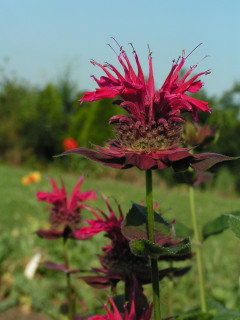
(150, 138)
(121, 259)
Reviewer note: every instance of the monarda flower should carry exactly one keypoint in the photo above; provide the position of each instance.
(150, 136)
(65, 212)
(198, 135)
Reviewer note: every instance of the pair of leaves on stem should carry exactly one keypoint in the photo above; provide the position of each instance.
(134, 228)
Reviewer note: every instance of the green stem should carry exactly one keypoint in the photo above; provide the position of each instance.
(170, 292)
(198, 250)
(69, 286)
(151, 237)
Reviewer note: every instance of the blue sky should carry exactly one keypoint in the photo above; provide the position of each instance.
(41, 38)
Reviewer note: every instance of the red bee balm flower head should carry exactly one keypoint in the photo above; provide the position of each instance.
(149, 137)
(65, 213)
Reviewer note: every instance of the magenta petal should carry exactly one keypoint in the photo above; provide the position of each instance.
(204, 161)
(85, 233)
(121, 119)
(57, 195)
(201, 105)
(99, 94)
(87, 195)
(195, 86)
(73, 200)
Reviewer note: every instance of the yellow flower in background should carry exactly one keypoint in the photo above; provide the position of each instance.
(31, 178)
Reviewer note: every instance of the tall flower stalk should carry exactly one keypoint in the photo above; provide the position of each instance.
(150, 136)
(151, 237)
(65, 219)
(198, 249)
(70, 297)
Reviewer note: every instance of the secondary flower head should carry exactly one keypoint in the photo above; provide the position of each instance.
(117, 261)
(150, 135)
(65, 212)
(198, 135)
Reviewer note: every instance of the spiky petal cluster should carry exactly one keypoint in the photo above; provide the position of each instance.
(114, 314)
(65, 213)
(139, 97)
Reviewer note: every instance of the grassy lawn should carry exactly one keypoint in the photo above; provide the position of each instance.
(22, 214)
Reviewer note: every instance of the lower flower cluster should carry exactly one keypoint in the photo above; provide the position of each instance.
(117, 261)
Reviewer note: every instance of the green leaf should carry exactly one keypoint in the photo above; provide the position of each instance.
(221, 223)
(134, 226)
(215, 226)
(196, 315)
(221, 313)
(181, 230)
(234, 224)
(145, 248)
(173, 272)
(227, 315)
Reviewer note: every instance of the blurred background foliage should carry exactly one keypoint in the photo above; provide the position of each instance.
(35, 121)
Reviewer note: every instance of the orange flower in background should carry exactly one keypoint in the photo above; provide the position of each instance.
(31, 178)
(69, 143)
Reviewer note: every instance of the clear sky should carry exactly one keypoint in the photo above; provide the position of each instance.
(41, 38)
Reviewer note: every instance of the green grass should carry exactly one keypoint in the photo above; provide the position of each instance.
(21, 215)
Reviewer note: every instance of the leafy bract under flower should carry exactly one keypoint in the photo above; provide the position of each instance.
(65, 212)
(149, 137)
(179, 158)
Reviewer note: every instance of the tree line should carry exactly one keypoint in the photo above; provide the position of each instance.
(35, 121)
